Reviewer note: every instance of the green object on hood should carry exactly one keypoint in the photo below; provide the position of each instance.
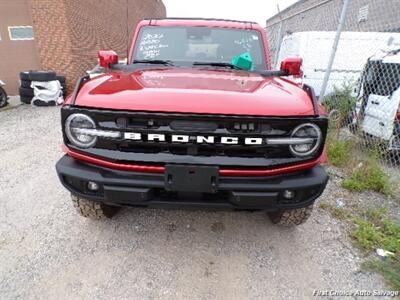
(243, 61)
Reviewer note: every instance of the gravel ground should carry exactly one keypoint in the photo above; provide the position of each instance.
(48, 251)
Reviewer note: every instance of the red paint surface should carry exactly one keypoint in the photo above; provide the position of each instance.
(271, 172)
(196, 90)
(111, 165)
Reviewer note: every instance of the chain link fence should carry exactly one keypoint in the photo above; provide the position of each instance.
(351, 56)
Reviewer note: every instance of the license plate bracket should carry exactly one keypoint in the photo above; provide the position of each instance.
(191, 178)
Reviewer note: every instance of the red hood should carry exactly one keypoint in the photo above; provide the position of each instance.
(197, 90)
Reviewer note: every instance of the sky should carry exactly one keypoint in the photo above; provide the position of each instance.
(250, 10)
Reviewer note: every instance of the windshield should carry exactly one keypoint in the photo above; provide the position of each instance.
(185, 45)
(382, 78)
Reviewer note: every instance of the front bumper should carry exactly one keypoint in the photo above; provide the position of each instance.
(148, 189)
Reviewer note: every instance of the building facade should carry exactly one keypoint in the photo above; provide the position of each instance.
(65, 35)
(323, 15)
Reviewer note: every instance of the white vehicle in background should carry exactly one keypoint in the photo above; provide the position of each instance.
(315, 47)
(378, 101)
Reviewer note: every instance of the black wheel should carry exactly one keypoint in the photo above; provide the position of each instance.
(92, 209)
(42, 75)
(26, 83)
(24, 75)
(26, 99)
(26, 92)
(39, 102)
(292, 217)
(3, 97)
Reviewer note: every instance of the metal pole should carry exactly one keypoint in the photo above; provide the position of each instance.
(342, 20)
(278, 47)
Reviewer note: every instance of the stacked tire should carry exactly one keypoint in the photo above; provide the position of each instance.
(26, 92)
(63, 83)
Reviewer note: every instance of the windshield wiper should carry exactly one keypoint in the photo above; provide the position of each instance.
(153, 62)
(214, 64)
(271, 73)
(265, 73)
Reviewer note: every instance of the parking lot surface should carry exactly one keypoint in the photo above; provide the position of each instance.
(48, 251)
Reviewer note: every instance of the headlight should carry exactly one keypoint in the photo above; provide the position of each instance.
(310, 136)
(77, 129)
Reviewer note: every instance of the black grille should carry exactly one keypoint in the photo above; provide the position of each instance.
(198, 150)
(194, 125)
(240, 129)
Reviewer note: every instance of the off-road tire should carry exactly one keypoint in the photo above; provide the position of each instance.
(26, 83)
(24, 75)
(42, 103)
(61, 79)
(42, 75)
(64, 90)
(26, 99)
(92, 209)
(292, 217)
(26, 92)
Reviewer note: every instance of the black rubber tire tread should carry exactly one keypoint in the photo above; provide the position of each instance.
(26, 100)
(61, 79)
(292, 217)
(92, 209)
(3, 97)
(24, 75)
(40, 103)
(26, 92)
(42, 75)
(64, 90)
(26, 83)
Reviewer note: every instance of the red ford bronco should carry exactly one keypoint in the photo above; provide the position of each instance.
(195, 117)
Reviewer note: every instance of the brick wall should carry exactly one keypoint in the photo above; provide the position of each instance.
(52, 35)
(16, 55)
(70, 32)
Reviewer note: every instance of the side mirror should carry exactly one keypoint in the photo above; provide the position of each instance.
(292, 66)
(107, 58)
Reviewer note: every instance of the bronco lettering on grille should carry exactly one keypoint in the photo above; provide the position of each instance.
(198, 139)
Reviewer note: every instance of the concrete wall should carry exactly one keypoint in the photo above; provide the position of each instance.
(15, 56)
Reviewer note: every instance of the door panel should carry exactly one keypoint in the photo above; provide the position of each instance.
(380, 114)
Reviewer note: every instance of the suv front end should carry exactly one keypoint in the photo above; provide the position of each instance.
(180, 125)
(157, 159)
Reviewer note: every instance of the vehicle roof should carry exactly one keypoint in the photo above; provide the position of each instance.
(206, 22)
(387, 56)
